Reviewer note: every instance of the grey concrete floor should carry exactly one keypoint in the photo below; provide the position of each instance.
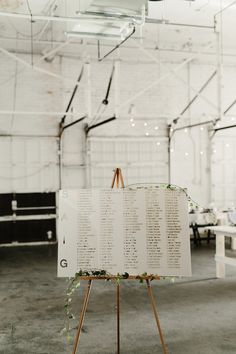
(198, 314)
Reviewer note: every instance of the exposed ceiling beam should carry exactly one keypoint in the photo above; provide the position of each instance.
(96, 18)
(177, 24)
(55, 18)
(38, 113)
(127, 46)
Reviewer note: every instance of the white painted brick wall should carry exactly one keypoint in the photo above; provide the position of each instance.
(39, 92)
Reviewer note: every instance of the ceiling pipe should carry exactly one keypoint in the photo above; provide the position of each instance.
(76, 114)
(77, 19)
(165, 22)
(45, 42)
(38, 113)
(25, 136)
(105, 18)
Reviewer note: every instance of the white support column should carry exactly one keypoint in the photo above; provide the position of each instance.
(220, 252)
(117, 87)
(88, 88)
(219, 73)
(89, 114)
(88, 165)
(209, 166)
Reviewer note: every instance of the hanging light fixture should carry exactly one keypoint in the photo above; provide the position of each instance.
(108, 19)
(123, 8)
(99, 30)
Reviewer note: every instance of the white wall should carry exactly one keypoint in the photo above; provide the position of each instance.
(190, 163)
(162, 102)
(224, 169)
(145, 156)
(28, 164)
(142, 160)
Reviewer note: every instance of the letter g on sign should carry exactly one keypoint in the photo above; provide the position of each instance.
(63, 263)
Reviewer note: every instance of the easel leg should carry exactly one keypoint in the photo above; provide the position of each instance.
(118, 316)
(150, 293)
(82, 315)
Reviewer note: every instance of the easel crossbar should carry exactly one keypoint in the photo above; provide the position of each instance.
(116, 277)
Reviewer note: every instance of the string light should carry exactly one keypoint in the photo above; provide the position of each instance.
(201, 152)
(145, 124)
(214, 151)
(131, 119)
(156, 128)
(185, 130)
(147, 134)
(171, 150)
(158, 143)
(201, 128)
(186, 153)
(131, 109)
(233, 118)
(133, 124)
(227, 145)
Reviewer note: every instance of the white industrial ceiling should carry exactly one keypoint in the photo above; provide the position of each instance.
(175, 32)
(181, 25)
(179, 66)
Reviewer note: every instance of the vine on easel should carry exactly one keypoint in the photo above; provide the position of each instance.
(74, 284)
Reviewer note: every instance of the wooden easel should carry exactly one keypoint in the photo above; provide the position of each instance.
(118, 179)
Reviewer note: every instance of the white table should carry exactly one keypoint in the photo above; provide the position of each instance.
(220, 258)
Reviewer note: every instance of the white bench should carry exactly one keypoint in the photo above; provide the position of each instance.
(220, 258)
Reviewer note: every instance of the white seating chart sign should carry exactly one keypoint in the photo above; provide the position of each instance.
(136, 231)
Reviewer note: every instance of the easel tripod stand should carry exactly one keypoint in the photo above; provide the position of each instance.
(118, 180)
